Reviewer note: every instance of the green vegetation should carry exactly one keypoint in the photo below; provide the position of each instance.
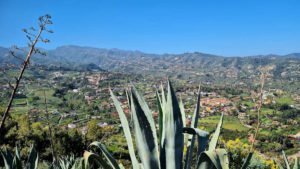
(230, 123)
(285, 100)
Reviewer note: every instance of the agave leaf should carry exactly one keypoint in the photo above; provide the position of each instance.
(195, 119)
(202, 137)
(217, 159)
(126, 130)
(160, 116)
(185, 136)
(107, 155)
(296, 165)
(278, 163)
(162, 119)
(173, 143)
(7, 158)
(285, 160)
(202, 144)
(92, 160)
(148, 113)
(145, 136)
(129, 104)
(163, 96)
(121, 166)
(247, 160)
(63, 164)
(195, 131)
(181, 106)
(78, 164)
(214, 141)
(17, 163)
(33, 159)
(191, 139)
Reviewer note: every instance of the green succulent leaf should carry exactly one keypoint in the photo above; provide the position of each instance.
(148, 114)
(107, 155)
(160, 117)
(7, 158)
(92, 160)
(126, 130)
(33, 159)
(215, 159)
(173, 141)
(191, 138)
(214, 141)
(247, 160)
(79, 164)
(181, 106)
(146, 140)
(278, 163)
(296, 165)
(287, 165)
(17, 163)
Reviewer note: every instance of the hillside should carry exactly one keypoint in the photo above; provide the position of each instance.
(186, 65)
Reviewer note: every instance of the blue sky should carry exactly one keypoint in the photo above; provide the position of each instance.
(223, 27)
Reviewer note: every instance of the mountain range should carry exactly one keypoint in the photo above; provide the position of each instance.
(185, 65)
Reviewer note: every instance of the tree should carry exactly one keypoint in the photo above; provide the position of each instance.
(93, 131)
(33, 37)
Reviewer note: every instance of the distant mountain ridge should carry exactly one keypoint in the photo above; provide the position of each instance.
(185, 64)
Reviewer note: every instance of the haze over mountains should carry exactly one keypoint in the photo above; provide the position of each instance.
(200, 64)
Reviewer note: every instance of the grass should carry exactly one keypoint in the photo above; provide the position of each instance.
(19, 110)
(20, 104)
(248, 103)
(49, 94)
(20, 101)
(229, 123)
(285, 100)
(266, 111)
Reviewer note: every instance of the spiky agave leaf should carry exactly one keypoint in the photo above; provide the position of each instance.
(191, 138)
(173, 140)
(160, 116)
(148, 113)
(287, 165)
(92, 160)
(214, 140)
(145, 136)
(126, 130)
(278, 163)
(202, 137)
(161, 102)
(17, 163)
(7, 158)
(215, 159)
(106, 154)
(181, 106)
(296, 165)
(33, 159)
(185, 136)
(129, 104)
(247, 161)
(78, 164)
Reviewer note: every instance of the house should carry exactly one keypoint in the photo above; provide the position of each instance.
(294, 137)
(102, 124)
(72, 126)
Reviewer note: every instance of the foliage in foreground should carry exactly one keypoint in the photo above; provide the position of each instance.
(163, 152)
(16, 162)
(167, 151)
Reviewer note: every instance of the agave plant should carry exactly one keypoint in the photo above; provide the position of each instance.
(96, 156)
(15, 162)
(165, 151)
(66, 162)
(287, 164)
